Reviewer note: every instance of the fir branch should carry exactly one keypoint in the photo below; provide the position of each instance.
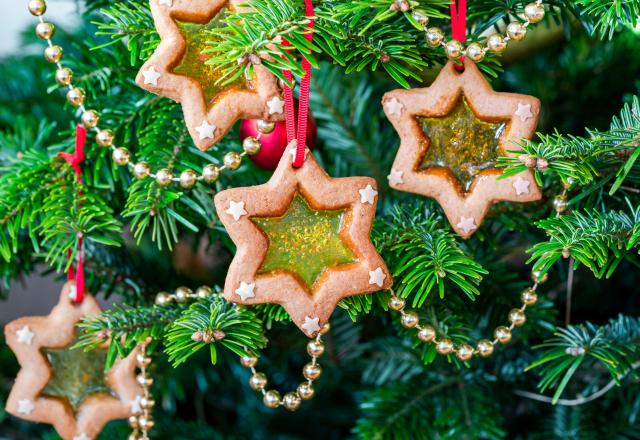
(609, 15)
(210, 322)
(583, 159)
(598, 240)
(424, 256)
(613, 346)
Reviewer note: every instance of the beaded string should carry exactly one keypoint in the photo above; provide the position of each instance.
(485, 347)
(141, 421)
(105, 138)
(258, 381)
(495, 43)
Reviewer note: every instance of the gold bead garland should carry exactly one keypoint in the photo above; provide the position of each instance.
(495, 43)
(142, 422)
(105, 138)
(485, 347)
(305, 391)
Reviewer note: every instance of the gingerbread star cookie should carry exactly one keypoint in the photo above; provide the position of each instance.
(178, 70)
(64, 387)
(303, 241)
(451, 135)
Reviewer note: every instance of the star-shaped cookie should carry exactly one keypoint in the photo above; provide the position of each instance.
(178, 70)
(451, 133)
(302, 241)
(65, 387)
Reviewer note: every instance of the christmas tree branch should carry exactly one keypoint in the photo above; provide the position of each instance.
(598, 240)
(613, 346)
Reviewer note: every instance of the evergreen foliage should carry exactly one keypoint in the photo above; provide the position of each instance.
(575, 377)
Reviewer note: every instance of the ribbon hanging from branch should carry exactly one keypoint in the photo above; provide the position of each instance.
(75, 159)
(299, 133)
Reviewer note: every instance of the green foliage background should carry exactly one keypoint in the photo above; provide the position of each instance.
(567, 374)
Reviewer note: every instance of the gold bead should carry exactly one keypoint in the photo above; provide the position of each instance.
(133, 422)
(315, 348)
(454, 49)
(182, 294)
(312, 371)
(64, 76)
(464, 352)
(90, 118)
(534, 12)
(104, 138)
(271, 399)
(325, 329)
(162, 298)
(258, 381)
(496, 44)
(142, 360)
(232, 160)
(121, 156)
(251, 145)
(560, 203)
(427, 333)
(502, 334)
(146, 423)
(475, 52)
(144, 380)
(485, 348)
(421, 17)
(409, 319)
(306, 391)
(291, 401)
(538, 278)
(210, 173)
(516, 31)
(188, 179)
(517, 317)
(147, 403)
(45, 30)
(434, 36)
(529, 296)
(37, 7)
(76, 96)
(203, 292)
(265, 127)
(248, 361)
(164, 177)
(396, 303)
(141, 170)
(53, 54)
(444, 346)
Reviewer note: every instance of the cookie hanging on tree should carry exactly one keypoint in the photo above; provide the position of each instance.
(451, 136)
(65, 387)
(303, 241)
(178, 70)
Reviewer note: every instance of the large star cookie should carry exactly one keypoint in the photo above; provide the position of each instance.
(303, 241)
(178, 70)
(65, 387)
(451, 135)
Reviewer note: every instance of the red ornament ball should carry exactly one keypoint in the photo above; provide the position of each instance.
(275, 142)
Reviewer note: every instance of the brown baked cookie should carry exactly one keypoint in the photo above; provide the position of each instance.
(63, 387)
(178, 70)
(303, 241)
(451, 133)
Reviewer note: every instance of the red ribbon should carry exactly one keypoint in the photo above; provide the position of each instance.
(459, 24)
(303, 104)
(75, 160)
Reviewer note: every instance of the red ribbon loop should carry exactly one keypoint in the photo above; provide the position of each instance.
(75, 160)
(300, 135)
(458, 10)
